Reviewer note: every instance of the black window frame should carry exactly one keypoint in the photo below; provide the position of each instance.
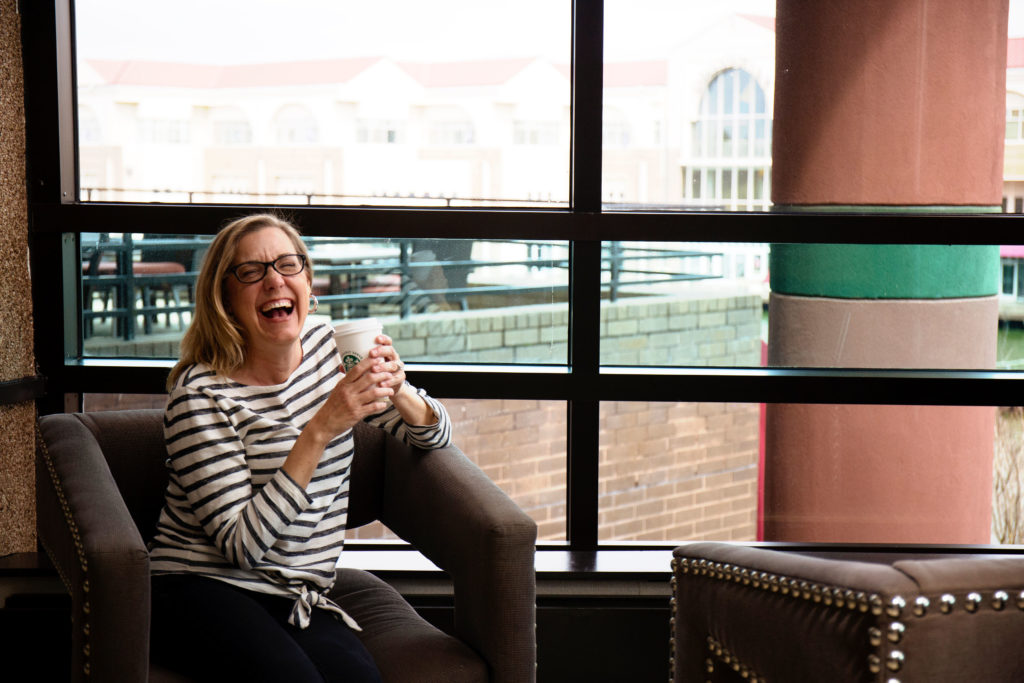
(56, 218)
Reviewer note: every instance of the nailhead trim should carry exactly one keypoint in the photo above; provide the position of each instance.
(839, 598)
(673, 584)
(76, 536)
(717, 652)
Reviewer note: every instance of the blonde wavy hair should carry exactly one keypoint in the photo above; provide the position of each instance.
(214, 337)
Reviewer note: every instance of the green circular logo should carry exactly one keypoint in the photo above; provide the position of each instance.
(349, 361)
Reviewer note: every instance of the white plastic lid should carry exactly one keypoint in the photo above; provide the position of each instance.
(361, 325)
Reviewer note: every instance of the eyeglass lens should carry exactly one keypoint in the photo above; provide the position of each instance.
(254, 271)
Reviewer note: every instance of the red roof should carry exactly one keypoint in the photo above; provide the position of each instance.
(431, 75)
(157, 73)
(179, 75)
(619, 74)
(459, 74)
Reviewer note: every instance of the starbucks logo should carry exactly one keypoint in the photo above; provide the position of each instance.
(349, 361)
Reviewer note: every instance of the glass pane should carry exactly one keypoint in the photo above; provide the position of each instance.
(705, 70)
(679, 472)
(845, 305)
(450, 103)
(519, 445)
(696, 66)
(741, 184)
(446, 301)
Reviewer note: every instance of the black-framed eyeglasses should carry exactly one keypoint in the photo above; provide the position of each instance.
(254, 271)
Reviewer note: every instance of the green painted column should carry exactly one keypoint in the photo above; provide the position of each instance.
(884, 107)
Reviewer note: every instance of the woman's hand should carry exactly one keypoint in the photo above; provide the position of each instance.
(413, 408)
(362, 391)
(359, 393)
(387, 361)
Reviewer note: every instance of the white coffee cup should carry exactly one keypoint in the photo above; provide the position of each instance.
(355, 338)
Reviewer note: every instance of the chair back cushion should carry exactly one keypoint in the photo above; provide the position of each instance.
(132, 441)
(366, 485)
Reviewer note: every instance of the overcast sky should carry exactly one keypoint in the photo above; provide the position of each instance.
(253, 31)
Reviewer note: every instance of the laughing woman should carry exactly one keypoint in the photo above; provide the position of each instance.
(258, 427)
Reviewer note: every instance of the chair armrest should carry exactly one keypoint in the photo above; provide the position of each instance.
(781, 615)
(89, 535)
(457, 517)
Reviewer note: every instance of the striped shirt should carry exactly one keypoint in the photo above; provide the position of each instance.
(231, 512)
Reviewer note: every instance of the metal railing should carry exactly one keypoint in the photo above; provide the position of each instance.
(406, 276)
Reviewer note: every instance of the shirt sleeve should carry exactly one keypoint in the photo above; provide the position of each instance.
(437, 435)
(207, 458)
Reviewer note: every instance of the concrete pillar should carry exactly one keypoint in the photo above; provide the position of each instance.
(17, 360)
(894, 106)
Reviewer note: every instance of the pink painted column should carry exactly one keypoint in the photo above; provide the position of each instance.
(895, 107)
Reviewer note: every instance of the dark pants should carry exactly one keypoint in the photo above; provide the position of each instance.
(210, 630)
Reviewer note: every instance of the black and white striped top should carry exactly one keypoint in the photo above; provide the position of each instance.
(231, 512)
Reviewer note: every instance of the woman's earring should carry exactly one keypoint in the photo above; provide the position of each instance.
(316, 303)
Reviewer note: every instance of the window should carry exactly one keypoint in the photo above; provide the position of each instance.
(616, 131)
(443, 301)
(598, 226)
(367, 97)
(380, 132)
(1012, 263)
(164, 132)
(451, 133)
(89, 130)
(1014, 117)
(733, 127)
(1013, 121)
(231, 127)
(535, 133)
(295, 124)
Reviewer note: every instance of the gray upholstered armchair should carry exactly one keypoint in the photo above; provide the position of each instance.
(100, 481)
(755, 614)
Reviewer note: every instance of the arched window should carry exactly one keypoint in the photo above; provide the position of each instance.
(731, 145)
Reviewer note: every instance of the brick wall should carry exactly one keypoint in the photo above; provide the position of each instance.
(678, 471)
(668, 471)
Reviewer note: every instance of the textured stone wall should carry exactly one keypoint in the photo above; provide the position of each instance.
(17, 479)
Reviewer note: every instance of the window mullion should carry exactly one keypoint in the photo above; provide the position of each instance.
(585, 276)
(587, 87)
